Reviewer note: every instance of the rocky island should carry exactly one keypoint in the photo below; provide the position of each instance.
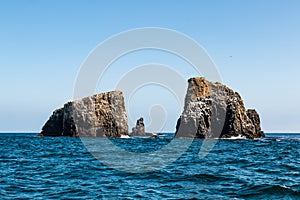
(94, 116)
(211, 110)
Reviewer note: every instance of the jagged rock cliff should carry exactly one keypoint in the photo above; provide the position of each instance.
(213, 110)
(96, 116)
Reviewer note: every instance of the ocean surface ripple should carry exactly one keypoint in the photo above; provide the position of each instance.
(62, 168)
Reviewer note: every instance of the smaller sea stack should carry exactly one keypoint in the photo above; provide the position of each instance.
(139, 129)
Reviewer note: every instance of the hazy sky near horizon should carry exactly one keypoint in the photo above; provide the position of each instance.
(255, 45)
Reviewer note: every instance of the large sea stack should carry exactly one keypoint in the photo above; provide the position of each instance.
(213, 110)
(99, 115)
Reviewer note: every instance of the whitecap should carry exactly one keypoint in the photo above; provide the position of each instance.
(239, 137)
(125, 136)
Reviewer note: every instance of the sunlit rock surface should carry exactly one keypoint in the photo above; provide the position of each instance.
(214, 110)
(94, 116)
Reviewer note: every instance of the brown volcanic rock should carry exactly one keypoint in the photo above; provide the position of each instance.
(96, 116)
(139, 129)
(54, 125)
(253, 115)
(213, 110)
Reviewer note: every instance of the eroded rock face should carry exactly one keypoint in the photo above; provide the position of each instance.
(254, 117)
(94, 116)
(213, 110)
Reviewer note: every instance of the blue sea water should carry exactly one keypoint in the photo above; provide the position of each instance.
(63, 168)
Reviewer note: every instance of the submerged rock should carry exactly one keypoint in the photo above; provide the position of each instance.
(213, 110)
(94, 116)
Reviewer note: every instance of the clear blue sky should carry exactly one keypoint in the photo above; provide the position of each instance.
(255, 45)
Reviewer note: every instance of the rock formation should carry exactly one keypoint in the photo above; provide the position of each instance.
(253, 115)
(139, 129)
(213, 110)
(94, 116)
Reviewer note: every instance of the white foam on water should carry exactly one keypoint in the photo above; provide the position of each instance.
(239, 137)
(124, 136)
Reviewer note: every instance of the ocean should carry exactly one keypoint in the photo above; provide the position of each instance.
(63, 168)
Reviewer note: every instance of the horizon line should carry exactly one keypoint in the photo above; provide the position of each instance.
(267, 132)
